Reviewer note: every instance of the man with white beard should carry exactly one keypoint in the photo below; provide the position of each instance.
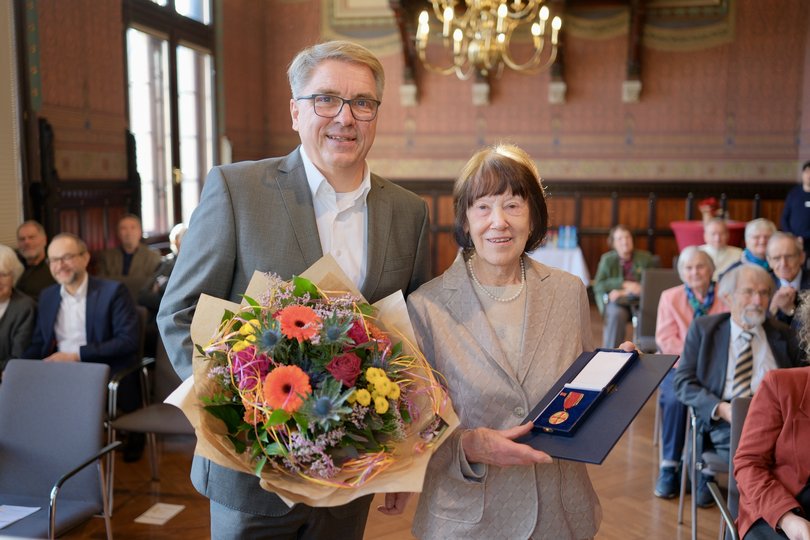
(727, 355)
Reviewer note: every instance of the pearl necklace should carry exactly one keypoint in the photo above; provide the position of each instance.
(486, 291)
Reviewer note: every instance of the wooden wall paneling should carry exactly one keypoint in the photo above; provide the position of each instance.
(561, 210)
(447, 250)
(634, 213)
(596, 213)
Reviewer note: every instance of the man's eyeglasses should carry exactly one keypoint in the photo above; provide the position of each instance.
(329, 106)
(64, 258)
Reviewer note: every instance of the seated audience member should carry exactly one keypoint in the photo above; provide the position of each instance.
(786, 259)
(17, 311)
(152, 292)
(715, 234)
(727, 355)
(757, 234)
(617, 286)
(31, 242)
(86, 319)
(796, 212)
(771, 464)
(677, 308)
(132, 263)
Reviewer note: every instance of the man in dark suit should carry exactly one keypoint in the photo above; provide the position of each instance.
(281, 215)
(786, 259)
(85, 319)
(727, 355)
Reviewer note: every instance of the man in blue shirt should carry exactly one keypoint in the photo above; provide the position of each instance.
(796, 214)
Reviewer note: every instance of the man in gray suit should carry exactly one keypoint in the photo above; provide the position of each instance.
(281, 215)
(727, 355)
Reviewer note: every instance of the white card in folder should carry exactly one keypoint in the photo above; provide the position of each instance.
(602, 368)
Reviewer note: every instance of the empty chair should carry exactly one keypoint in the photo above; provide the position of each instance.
(155, 417)
(653, 282)
(51, 445)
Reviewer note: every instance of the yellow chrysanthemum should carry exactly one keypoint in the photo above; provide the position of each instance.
(240, 346)
(394, 392)
(381, 405)
(352, 398)
(249, 327)
(373, 374)
(382, 386)
(363, 397)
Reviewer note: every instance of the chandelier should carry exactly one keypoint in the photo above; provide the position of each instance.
(480, 34)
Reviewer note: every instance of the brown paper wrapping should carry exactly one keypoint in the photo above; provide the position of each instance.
(407, 472)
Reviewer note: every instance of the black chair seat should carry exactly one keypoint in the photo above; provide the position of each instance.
(160, 418)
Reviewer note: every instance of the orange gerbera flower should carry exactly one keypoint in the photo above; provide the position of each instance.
(286, 387)
(299, 322)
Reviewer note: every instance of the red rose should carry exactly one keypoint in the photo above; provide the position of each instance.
(345, 368)
(358, 333)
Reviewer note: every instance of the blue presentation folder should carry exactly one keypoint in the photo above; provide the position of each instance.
(571, 406)
(604, 425)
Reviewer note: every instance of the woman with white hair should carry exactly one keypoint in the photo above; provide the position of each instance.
(677, 308)
(17, 311)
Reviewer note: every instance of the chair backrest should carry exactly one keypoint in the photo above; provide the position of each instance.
(739, 410)
(166, 379)
(653, 282)
(51, 417)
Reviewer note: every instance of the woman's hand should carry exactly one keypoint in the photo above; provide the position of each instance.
(795, 527)
(497, 447)
(394, 503)
(628, 346)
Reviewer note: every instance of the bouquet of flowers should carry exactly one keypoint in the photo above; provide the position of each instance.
(305, 389)
(709, 208)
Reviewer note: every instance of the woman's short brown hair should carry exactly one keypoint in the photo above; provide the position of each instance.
(493, 171)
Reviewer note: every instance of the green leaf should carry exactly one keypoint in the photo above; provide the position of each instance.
(274, 449)
(366, 309)
(303, 286)
(238, 444)
(229, 414)
(227, 316)
(260, 465)
(301, 420)
(277, 417)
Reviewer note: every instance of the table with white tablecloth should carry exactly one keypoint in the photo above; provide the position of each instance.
(570, 259)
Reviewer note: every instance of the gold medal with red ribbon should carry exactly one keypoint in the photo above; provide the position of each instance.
(572, 399)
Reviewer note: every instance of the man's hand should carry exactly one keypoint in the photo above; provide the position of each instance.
(632, 287)
(795, 527)
(724, 411)
(496, 447)
(785, 300)
(394, 503)
(615, 294)
(62, 357)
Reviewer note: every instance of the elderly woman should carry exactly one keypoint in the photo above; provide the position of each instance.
(502, 329)
(771, 465)
(616, 286)
(17, 311)
(677, 308)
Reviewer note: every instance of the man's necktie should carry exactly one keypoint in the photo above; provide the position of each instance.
(744, 367)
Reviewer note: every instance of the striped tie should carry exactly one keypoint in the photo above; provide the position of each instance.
(743, 368)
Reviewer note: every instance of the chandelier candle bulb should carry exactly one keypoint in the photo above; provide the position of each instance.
(448, 21)
(502, 12)
(457, 37)
(556, 24)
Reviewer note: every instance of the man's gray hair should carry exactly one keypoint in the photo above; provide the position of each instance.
(780, 235)
(728, 283)
(758, 224)
(690, 253)
(305, 62)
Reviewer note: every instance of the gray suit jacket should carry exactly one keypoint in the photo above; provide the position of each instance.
(463, 501)
(701, 374)
(259, 216)
(16, 327)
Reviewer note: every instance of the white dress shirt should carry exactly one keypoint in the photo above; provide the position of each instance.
(70, 329)
(796, 283)
(341, 220)
(4, 306)
(763, 357)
